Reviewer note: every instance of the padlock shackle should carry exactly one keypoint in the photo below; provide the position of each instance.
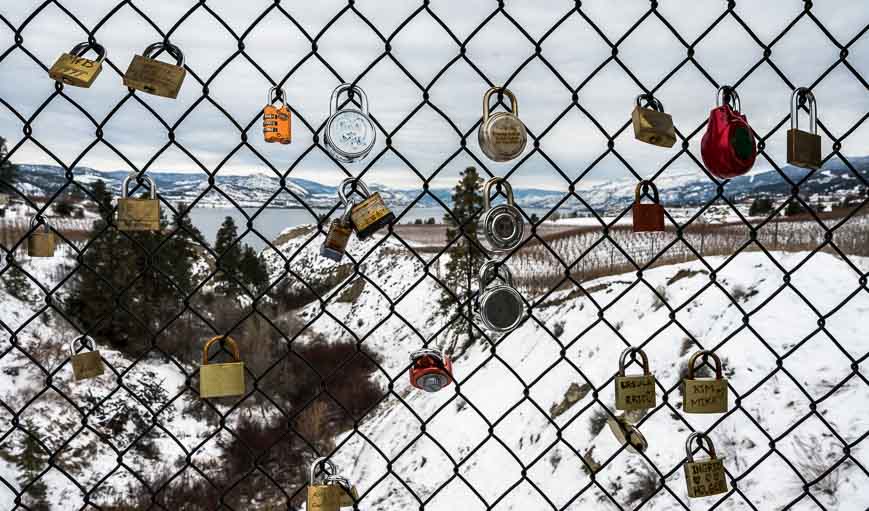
(487, 190)
(152, 186)
(638, 192)
(692, 362)
(279, 95)
(633, 351)
(170, 48)
(363, 99)
(233, 348)
(802, 92)
(727, 95)
(514, 104)
(699, 437)
(349, 183)
(339, 480)
(488, 273)
(651, 101)
(36, 220)
(83, 340)
(428, 352)
(324, 464)
(81, 48)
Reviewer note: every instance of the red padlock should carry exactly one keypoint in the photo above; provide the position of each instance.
(648, 217)
(728, 146)
(431, 370)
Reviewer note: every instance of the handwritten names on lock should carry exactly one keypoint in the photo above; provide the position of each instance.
(635, 392)
(705, 396)
(706, 478)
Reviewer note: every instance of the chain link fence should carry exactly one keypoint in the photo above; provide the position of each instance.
(272, 473)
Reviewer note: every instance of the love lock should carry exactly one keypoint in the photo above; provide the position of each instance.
(499, 307)
(349, 133)
(40, 243)
(627, 433)
(728, 146)
(502, 136)
(431, 370)
(502, 225)
(804, 147)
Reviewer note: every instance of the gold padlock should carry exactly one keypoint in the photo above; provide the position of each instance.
(73, 69)
(651, 124)
(704, 395)
(627, 434)
(138, 214)
(322, 496)
(635, 392)
(804, 147)
(335, 245)
(346, 492)
(369, 215)
(502, 136)
(221, 380)
(40, 243)
(88, 364)
(707, 477)
(155, 77)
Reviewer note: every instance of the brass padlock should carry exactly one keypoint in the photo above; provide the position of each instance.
(369, 215)
(349, 133)
(499, 307)
(346, 492)
(804, 147)
(73, 69)
(155, 77)
(502, 136)
(335, 245)
(635, 392)
(648, 217)
(704, 395)
(502, 225)
(138, 214)
(627, 433)
(277, 121)
(40, 243)
(88, 364)
(322, 496)
(651, 124)
(707, 477)
(221, 380)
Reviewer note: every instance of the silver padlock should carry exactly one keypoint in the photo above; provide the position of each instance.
(502, 136)
(502, 225)
(345, 491)
(350, 133)
(499, 307)
(627, 433)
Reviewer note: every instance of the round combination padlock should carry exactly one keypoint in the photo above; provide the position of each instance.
(350, 132)
(502, 136)
(503, 224)
(499, 306)
(431, 370)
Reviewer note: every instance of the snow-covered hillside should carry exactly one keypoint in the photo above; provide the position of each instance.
(454, 450)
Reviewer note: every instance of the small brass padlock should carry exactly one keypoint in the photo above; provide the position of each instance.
(502, 136)
(704, 395)
(499, 307)
(88, 364)
(155, 77)
(635, 392)
(707, 477)
(648, 217)
(369, 215)
(335, 245)
(627, 433)
(346, 492)
(322, 496)
(138, 214)
(651, 124)
(502, 225)
(350, 133)
(804, 147)
(277, 121)
(221, 380)
(41, 242)
(73, 69)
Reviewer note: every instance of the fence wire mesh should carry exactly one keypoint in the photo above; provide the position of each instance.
(567, 266)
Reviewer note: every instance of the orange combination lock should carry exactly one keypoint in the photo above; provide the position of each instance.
(277, 121)
(431, 370)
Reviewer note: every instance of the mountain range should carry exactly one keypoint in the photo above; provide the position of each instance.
(677, 189)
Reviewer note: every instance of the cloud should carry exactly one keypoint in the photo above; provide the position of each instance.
(496, 53)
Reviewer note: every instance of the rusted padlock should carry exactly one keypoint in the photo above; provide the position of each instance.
(648, 217)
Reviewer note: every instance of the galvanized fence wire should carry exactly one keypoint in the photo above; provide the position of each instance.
(248, 128)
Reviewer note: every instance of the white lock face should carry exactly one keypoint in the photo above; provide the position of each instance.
(350, 134)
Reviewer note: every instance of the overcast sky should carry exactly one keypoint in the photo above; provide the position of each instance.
(424, 48)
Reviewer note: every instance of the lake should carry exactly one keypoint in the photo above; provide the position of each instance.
(271, 222)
